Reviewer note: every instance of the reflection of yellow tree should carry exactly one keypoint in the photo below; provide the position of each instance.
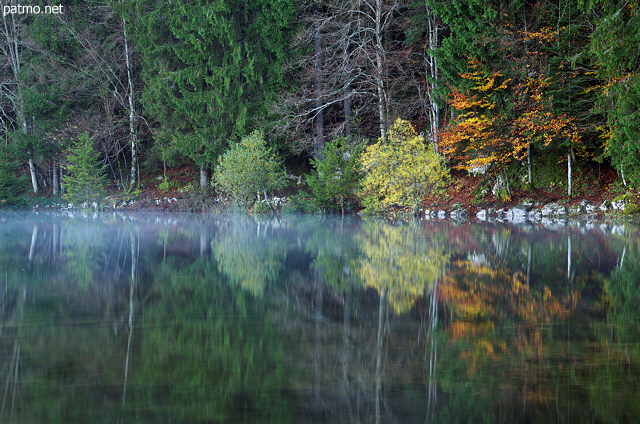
(247, 257)
(399, 262)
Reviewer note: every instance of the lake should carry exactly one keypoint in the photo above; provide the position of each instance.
(146, 318)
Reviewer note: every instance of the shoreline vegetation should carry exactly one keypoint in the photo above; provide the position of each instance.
(463, 200)
(471, 109)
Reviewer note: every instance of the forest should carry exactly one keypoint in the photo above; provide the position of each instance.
(372, 100)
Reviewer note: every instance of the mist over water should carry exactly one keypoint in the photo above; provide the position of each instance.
(157, 318)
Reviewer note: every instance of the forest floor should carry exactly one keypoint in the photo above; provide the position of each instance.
(595, 184)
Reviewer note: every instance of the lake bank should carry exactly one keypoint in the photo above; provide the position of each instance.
(467, 198)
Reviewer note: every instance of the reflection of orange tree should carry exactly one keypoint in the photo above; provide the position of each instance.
(500, 320)
(399, 262)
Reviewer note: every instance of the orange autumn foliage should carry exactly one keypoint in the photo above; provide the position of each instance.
(486, 134)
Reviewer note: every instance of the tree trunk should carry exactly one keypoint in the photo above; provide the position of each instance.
(205, 175)
(529, 166)
(317, 49)
(61, 180)
(55, 179)
(346, 90)
(266, 199)
(32, 171)
(569, 174)
(382, 106)
(432, 72)
(133, 135)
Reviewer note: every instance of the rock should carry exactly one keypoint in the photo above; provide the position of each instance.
(618, 205)
(516, 215)
(604, 206)
(548, 209)
(458, 214)
(442, 214)
(575, 210)
(482, 215)
(479, 169)
(498, 186)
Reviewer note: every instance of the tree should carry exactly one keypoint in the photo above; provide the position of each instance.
(249, 168)
(335, 177)
(486, 134)
(400, 170)
(11, 187)
(12, 86)
(350, 70)
(85, 179)
(614, 50)
(210, 69)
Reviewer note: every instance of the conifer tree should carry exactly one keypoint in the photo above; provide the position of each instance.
(11, 186)
(614, 49)
(85, 179)
(335, 177)
(210, 69)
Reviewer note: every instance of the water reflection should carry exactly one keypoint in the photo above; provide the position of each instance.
(180, 318)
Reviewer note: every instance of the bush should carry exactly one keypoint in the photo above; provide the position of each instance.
(400, 170)
(249, 168)
(301, 202)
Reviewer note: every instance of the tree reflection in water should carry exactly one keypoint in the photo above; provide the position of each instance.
(211, 319)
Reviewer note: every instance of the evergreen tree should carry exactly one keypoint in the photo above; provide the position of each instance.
(12, 187)
(614, 48)
(335, 176)
(211, 68)
(85, 180)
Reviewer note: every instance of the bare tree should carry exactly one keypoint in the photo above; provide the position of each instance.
(106, 63)
(12, 88)
(355, 71)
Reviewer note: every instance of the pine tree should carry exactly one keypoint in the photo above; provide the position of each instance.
(11, 186)
(335, 177)
(85, 179)
(614, 48)
(211, 69)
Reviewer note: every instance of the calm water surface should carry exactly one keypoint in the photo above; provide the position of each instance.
(144, 318)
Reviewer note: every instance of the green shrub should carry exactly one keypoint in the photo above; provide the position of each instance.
(167, 185)
(248, 168)
(301, 202)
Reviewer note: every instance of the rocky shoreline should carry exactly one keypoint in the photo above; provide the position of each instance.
(547, 214)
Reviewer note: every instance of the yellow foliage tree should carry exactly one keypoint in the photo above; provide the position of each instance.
(400, 170)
